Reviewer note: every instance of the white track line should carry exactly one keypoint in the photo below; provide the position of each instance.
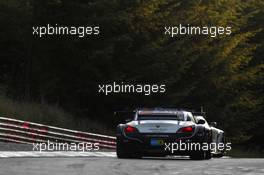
(6, 154)
(17, 154)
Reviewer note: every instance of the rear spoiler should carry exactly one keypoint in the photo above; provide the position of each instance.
(129, 114)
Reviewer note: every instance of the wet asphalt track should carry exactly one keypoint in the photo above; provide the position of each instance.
(107, 164)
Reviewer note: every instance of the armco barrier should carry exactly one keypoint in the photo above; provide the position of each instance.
(13, 130)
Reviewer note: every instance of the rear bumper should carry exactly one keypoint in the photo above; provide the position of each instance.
(142, 144)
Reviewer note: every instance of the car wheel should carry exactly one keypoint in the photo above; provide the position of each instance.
(136, 155)
(199, 155)
(218, 155)
(121, 152)
(208, 155)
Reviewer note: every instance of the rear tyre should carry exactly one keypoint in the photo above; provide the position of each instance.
(208, 155)
(218, 155)
(121, 152)
(136, 155)
(199, 155)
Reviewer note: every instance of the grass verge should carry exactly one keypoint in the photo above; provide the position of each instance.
(48, 115)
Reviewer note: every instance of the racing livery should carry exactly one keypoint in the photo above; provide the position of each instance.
(152, 130)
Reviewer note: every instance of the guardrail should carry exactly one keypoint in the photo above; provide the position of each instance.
(13, 130)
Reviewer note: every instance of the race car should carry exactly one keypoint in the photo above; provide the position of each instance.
(162, 132)
(218, 136)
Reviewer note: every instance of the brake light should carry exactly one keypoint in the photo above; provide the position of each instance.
(187, 129)
(130, 129)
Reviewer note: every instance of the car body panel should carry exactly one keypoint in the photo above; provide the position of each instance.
(217, 137)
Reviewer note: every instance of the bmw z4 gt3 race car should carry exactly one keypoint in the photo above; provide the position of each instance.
(164, 132)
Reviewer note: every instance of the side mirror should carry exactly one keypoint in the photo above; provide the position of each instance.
(213, 124)
(201, 122)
